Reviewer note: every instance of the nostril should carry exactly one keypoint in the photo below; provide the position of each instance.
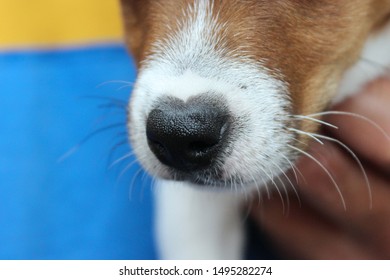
(158, 147)
(200, 149)
(201, 146)
(210, 141)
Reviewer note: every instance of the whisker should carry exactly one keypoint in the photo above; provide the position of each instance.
(271, 177)
(75, 148)
(143, 183)
(310, 117)
(242, 188)
(350, 114)
(233, 183)
(225, 180)
(307, 134)
(367, 181)
(291, 183)
(107, 98)
(132, 183)
(293, 168)
(325, 170)
(301, 142)
(265, 184)
(119, 160)
(249, 207)
(375, 63)
(296, 168)
(112, 151)
(259, 185)
(125, 86)
(286, 213)
(127, 168)
(115, 82)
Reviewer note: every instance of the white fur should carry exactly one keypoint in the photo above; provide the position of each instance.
(193, 224)
(196, 224)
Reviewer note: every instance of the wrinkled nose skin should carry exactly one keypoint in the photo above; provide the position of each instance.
(187, 136)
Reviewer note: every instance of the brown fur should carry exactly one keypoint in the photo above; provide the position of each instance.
(308, 44)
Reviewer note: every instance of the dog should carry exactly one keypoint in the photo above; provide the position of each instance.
(226, 100)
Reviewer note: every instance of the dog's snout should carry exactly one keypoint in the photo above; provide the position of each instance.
(187, 136)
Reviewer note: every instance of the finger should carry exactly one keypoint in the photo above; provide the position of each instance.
(363, 136)
(304, 235)
(358, 217)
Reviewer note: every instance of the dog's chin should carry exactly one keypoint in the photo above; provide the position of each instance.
(209, 179)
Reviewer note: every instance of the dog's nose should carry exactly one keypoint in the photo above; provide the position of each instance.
(187, 136)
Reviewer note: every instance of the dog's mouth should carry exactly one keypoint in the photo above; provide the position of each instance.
(206, 178)
(212, 178)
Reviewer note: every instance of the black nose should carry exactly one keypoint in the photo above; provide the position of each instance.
(187, 136)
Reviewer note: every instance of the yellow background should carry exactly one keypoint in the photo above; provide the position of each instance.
(46, 23)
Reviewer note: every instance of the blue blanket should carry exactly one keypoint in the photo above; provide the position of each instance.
(63, 192)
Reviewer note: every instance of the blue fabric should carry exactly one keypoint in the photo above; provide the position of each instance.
(62, 124)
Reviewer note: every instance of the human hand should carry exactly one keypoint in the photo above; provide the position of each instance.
(318, 226)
